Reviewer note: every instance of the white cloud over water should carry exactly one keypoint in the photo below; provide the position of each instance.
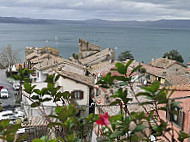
(97, 9)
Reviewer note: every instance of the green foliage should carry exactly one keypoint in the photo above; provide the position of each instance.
(8, 132)
(125, 55)
(132, 126)
(157, 98)
(75, 56)
(22, 76)
(182, 136)
(174, 55)
(142, 70)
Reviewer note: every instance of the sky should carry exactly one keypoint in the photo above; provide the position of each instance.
(119, 10)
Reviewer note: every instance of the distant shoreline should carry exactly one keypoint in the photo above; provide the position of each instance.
(159, 24)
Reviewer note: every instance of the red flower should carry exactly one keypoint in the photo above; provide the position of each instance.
(103, 119)
(120, 104)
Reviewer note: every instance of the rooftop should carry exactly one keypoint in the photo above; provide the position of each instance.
(102, 67)
(48, 48)
(185, 87)
(32, 55)
(179, 79)
(47, 63)
(95, 57)
(154, 70)
(164, 63)
(89, 81)
(40, 58)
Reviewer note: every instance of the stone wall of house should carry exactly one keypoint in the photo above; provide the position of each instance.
(84, 54)
(86, 48)
(176, 69)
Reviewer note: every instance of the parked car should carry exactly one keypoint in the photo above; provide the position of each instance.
(4, 93)
(16, 85)
(6, 114)
(19, 114)
(13, 116)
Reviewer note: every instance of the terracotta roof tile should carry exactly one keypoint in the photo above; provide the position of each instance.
(47, 63)
(96, 56)
(89, 81)
(40, 58)
(154, 70)
(162, 63)
(19, 64)
(32, 55)
(185, 87)
(102, 66)
(178, 79)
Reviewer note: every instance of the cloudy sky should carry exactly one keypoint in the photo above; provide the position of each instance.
(97, 9)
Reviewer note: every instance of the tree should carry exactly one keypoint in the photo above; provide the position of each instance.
(75, 56)
(22, 76)
(8, 57)
(125, 55)
(174, 55)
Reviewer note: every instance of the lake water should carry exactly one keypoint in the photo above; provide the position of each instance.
(143, 43)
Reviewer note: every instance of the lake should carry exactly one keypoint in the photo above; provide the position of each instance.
(144, 43)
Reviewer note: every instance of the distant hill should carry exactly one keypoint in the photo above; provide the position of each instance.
(22, 20)
(176, 24)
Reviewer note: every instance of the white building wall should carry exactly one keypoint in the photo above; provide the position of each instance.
(71, 85)
(49, 107)
(40, 76)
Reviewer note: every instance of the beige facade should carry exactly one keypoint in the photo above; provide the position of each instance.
(72, 85)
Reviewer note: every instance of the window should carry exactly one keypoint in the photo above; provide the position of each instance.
(38, 74)
(78, 94)
(176, 116)
(148, 77)
(159, 78)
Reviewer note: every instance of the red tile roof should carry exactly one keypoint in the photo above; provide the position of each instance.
(178, 79)
(185, 87)
(164, 63)
(153, 70)
(18, 65)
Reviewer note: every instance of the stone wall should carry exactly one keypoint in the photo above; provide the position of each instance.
(176, 69)
(86, 48)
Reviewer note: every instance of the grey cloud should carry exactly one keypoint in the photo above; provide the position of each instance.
(91, 9)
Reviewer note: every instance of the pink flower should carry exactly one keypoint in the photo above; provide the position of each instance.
(103, 119)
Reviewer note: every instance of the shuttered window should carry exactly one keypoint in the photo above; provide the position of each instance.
(77, 94)
(177, 117)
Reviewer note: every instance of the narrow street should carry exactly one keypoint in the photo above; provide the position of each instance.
(7, 102)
